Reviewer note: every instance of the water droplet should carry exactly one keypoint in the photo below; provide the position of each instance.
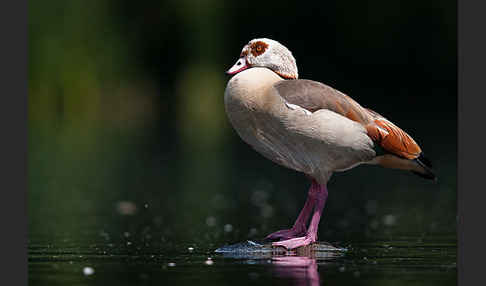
(191, 249)
(126, 208)
(88, 271)
(267, 211)
(171, 264)
(228, 228)
(389, 220)
(259, 198)
(211, 221)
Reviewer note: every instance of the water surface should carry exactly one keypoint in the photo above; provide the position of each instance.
(403, 261)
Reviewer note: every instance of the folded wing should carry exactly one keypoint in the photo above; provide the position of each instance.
(313, 96)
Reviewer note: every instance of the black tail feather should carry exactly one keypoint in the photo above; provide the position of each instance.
(424, 160)
(427, 166)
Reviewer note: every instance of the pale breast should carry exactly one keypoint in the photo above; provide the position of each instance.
(313, 143)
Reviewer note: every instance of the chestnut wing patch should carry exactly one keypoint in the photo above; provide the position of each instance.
(393, 139)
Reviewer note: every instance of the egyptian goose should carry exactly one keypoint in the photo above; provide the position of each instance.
(309, 127)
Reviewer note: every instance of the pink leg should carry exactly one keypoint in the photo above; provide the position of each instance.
(299, 228)
(311, 235)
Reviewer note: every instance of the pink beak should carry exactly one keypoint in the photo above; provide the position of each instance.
(239, 66)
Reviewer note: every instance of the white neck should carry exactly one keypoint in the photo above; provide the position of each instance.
(249, 85)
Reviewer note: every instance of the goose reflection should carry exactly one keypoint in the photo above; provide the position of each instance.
(301, 269)
(299, 266)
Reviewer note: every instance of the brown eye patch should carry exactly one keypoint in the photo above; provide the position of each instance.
(258, 48)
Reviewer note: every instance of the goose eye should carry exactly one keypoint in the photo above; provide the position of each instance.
(258, 48)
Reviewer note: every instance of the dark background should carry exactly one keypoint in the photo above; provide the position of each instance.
(126, 105)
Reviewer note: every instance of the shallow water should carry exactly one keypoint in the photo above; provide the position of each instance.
(403, 261)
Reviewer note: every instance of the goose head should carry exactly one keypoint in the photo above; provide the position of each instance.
(266, 53)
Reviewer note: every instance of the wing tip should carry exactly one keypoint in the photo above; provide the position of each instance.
(426, 165)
